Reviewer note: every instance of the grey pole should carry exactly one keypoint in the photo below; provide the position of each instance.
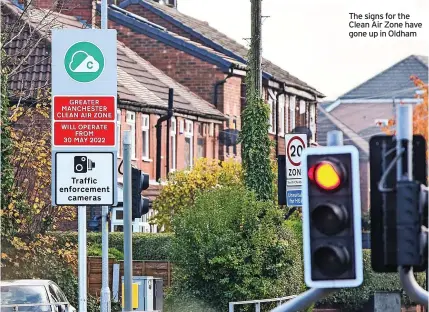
(334, 138)
(128, 253)
(404, 133)
(306, 299)
(105, 290)
(82, 257)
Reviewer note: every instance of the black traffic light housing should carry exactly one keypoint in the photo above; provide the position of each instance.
(139, 182)
(332, 217)
(391, 216)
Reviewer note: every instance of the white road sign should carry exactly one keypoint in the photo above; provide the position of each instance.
(84, 178)
(295, 144)
(84, 94)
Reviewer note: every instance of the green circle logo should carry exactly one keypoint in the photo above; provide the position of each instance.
(84, 62)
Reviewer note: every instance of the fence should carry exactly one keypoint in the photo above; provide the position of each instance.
(257, 303)
(159, 269)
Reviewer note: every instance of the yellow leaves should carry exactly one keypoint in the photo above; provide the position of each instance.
(4, 256)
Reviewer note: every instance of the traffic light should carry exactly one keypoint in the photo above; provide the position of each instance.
(140, 182)
(398, 209)
(331, 217)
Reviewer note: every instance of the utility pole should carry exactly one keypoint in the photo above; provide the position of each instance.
(255, 61)
(128, 252)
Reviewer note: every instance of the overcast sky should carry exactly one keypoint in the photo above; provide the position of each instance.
(310, 38)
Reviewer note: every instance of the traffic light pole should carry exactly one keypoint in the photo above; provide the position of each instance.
(128, 254)
(404, 133)
(306, 299)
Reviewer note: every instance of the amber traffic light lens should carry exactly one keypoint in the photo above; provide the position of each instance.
(326, 175)
(332, 260)
(329, 219)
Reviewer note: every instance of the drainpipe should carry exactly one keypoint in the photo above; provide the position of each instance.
(281, 92)
(219, 83)
(158, 134)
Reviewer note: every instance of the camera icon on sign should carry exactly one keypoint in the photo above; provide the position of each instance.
(82, 164)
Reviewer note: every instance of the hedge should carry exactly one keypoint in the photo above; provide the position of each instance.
(145, 246)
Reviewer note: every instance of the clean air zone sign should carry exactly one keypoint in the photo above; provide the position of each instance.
(84, 62)
(84, 94)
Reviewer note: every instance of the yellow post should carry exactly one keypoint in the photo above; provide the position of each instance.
(135, 295)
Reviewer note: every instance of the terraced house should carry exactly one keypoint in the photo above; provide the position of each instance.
(161, 48)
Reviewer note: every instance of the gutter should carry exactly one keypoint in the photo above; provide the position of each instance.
(219, 83)
(158, 127)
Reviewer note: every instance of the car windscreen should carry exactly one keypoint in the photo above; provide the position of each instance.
(20, 294)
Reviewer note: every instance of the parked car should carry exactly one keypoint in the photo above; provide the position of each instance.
(35, 293)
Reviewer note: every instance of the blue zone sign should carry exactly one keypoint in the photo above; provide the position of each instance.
(294, 198)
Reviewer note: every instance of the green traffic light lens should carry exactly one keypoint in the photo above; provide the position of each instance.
(331, 260)
(329, 219)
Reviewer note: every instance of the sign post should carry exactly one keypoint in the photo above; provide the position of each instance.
(295, 144)
(84, 140)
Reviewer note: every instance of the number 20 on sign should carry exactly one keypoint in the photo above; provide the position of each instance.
(295, 144)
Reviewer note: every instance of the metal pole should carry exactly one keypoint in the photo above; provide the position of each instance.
(404, 136)
(335, 138)
(128, 253)
(82, 257)
(255, 46)
(304, 300)
(105, 290)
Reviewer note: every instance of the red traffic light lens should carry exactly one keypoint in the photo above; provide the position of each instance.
(326, 175)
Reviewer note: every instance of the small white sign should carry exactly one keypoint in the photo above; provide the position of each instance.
(295, 144)
(294, 182)
(84, 178)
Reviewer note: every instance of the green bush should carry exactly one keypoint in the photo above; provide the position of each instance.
(231, 247)
(354, 299)
(145, 246)
(95, 250)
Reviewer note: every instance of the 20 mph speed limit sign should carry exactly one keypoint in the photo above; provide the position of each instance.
(295, 144)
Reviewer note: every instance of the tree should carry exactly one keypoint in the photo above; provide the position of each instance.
(420, 112)
(255, 142)
(26, 210)
(182, 187)
(223, 251)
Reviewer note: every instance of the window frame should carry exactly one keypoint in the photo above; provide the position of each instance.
(313, 112)
(145, 130)
(189, 124)
(292, 106)
(173, 144)
(272, 122)
(132, 123)
(282, 106)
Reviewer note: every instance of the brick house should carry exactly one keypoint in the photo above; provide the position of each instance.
(206, 61)
(165, 48)
(360, 112)
(142, 97)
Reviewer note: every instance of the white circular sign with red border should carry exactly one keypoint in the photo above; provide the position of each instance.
(295, 144)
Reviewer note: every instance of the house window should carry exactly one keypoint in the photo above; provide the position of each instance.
(272, 114)
(302, 113)
(292, 112)
(211, 129)
(313, 120)
(131, 121)
(118, 131)
(189, 134)
(286, 103)
(145, 137)
(201, 142)
(173, 144)
(181, 126)
(281, 114)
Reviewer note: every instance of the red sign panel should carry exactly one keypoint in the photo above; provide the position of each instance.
(84, 108)
(84, 133)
